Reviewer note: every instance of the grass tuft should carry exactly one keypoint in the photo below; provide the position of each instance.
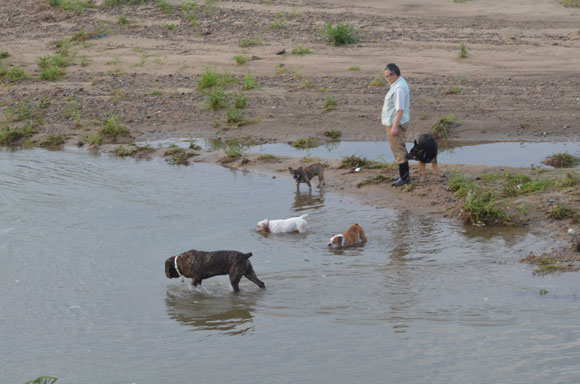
(13, 74)
(268, 157)
(562, 160)
(240, 101)
(306, 143)
(341, 34)
(463, 51)
(560, 212)
(333, 134)
(455, 90)
(216, 98)
(571, 179)
(209, 78)
(361, 162)
(545, 263)
(520, 184)
(51, 141)
(112, 128)
(240, 59)
(189, 9)
(12, 136)
(300, 50)
(178, 156)
(43, 380)
(51, 73)
(329, 102)
(440, 129)
(121, 3)
(570, 3)
(377, 179)
(164, 6)
(378, 81)
(248, 82)
(479, 208)
(234, 116)
(249, 42)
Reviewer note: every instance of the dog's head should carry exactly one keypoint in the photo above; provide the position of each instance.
(416, 153)
(335, 241)
(170, 270)
(262, 226)
(297, 174)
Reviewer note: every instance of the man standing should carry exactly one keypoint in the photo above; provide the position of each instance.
(394, 117)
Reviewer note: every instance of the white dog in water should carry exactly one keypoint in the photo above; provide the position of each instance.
(283, 226)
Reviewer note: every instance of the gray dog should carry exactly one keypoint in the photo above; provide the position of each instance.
(303, 175)
(199, 265)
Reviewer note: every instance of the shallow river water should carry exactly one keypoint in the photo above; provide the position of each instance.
(84, 297)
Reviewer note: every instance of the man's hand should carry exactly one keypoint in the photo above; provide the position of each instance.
(396, 122)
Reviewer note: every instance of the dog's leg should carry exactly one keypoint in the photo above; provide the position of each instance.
(300, 227)
(321, 179)
(195, 281)
(251, 275)
(308, 183)
(235, 281)
(421, 166)
(362, 235)
(436, 170)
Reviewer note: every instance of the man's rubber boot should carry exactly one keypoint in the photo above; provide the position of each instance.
(404, 177)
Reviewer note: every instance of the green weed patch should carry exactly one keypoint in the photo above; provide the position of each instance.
(12, 136)
(341, 34)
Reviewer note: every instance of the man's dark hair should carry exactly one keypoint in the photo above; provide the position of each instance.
(393, 69)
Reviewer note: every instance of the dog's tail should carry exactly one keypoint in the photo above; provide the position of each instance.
(304, 215)
(247, 255)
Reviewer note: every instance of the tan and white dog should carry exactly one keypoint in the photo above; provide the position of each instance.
(354, 235)
(283, 226)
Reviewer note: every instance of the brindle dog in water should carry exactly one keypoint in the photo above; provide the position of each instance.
(199, 265)
(304, 175)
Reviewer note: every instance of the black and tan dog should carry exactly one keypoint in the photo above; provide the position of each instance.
(304, 175)
(425, 151)
(199, 265)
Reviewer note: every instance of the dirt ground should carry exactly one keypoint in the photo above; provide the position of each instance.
(519, 81)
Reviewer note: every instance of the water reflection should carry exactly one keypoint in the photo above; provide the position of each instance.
(227, 314)
(400, 251)
(477, 233)
(304, 200)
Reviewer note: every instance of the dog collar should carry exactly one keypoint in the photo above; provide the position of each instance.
(176, 267)
(267, 226)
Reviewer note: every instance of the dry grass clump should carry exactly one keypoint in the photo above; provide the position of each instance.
(178, 156)
(562, 160)
(363, 163)
(440, 129)
(377, 179)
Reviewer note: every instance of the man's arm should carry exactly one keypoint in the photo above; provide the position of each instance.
(396, 121)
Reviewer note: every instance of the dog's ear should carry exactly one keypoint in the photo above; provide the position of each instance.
(291, 169)
(299, 169)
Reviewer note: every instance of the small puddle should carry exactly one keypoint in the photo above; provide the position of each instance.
(509, 154)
